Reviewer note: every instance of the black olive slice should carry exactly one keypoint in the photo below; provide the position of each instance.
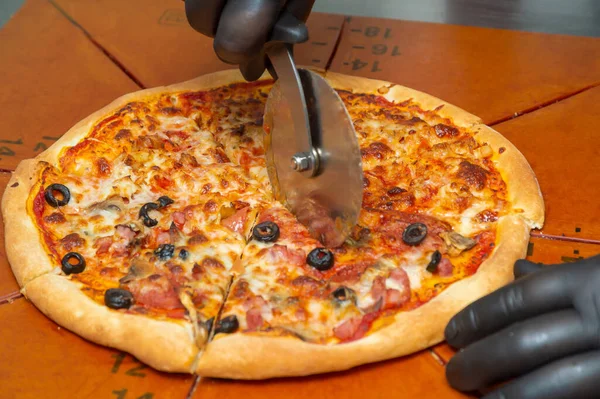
(227, 325)
(343, 294)
(266, 232)
(208, 324)
(183, 254)
(72, 268)
(414, 234)
(52, 200)
(320, 258)
(165, 251)
(146, 219)
(434, 262)
(118, 298)
(164, 201)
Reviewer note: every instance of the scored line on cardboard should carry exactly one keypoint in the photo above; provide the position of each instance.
(98, 45)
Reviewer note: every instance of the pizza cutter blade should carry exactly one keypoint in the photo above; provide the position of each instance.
(313, 157)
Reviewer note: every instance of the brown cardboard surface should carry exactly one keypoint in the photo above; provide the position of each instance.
(547, 252)
(153, 41)
(491, 73)
(417, 376)
(8, 284)
(42, 360)
(562, 144)
(51, 77)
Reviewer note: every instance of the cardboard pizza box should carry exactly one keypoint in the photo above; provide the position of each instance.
(491, 73)
(545, 251)
(153, 41)
(52, 76)
(416, 376)
(562, 145)
(44, 360)
(44, 357)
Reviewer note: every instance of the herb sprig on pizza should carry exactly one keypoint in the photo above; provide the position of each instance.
(151, 227)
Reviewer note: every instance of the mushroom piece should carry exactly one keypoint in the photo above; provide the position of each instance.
(139, 268)
(113, 204)
(457, 243)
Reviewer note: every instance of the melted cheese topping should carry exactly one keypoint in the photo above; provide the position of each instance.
(204, 151)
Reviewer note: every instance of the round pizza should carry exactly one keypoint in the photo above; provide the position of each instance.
(151, 227)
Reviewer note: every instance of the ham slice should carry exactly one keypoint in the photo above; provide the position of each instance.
(155, 291)
(392, 297)
(179, 219)
(280, 253)
(445, 268)
(346, 330)
(355, 327)
(163, 238)
(103, 244)
(378, 288)
(237, 221)
(254, 319)
(255, 307)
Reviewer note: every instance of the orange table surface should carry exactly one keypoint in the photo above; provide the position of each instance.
(63, 59)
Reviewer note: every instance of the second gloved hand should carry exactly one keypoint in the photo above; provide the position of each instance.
(542, 331)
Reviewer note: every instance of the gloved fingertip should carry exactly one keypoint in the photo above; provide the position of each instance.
(524, 267)
(451, 331)
(233, 52)
(459, 376)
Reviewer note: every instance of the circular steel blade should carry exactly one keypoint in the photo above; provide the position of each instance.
(329, 202)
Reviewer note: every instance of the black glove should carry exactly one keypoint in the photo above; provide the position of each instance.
(242, 27)
(543, 329)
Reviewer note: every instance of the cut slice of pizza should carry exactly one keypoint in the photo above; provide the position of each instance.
(236, 119)
(140, 217)
(294, 290)
(441, 222)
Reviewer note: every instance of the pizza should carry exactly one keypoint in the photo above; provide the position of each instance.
(151, 227)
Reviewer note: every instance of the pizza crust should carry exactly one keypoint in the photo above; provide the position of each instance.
(20, 230)
(255, 356)
(164, 345)
(397, 93)
(524, 191)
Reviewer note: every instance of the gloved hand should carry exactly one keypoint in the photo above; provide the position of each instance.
(543, 330)
(242, 27)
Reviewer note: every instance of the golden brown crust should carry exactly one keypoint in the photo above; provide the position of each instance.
(164, 345)
(523, 189)
(20, 228)
(397, 93)
(254, 356)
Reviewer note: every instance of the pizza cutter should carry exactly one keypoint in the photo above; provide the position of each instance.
(313, 156)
